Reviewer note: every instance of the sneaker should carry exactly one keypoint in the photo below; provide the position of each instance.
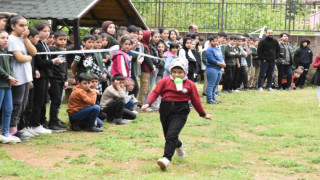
(41, 130)
(19, 137)
(120, 121)
(57, 128)
(25, 132)
(149, 110)
(180, 151)
(93, 129)
(62, 124)
(135, 112)
(270, 90)
(204, 94)
(224, 91)
(212, 102)
(31, 131)
(288, 89)
(260, 89)
(9, 139)
(236, 90)
(163, 163)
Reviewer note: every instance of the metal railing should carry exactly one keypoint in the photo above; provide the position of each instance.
(227, 16)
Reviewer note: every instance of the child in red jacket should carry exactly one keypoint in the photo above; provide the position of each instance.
(316, 77)
(174, 108)
(121, 61)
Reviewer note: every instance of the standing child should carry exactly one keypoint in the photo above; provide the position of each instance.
(316, 77)
(22, 50)
(6, 81)
(82, 109)
(146, 69)
(243, 70)
(303, 57)
(121, 60)
(213, 69)
(99, 67)
(169, 57)
(174, 108)
(83, 62)
(231, 55)
(58, 82)
(255, 63)
(43, 63)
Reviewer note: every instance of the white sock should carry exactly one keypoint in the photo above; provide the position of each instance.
(319, 94)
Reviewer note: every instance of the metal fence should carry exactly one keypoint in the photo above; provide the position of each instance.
(229, 16)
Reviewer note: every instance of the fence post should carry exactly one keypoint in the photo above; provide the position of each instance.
(159, 14)
(290, 11)
(222, 12)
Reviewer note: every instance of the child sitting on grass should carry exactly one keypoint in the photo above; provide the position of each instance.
(113, 103)
(82, 109)
(93, 85)
(174, 108)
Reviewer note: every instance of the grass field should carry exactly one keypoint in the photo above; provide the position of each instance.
(252, 136)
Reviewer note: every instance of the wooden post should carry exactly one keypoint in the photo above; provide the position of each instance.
(77, 41)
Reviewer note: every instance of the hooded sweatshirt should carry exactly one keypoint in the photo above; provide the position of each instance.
(169, 57)
(303, 55)
(120, 64)
(168, 91)
(147, 65)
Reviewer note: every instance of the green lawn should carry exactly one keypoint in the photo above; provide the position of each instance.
(252, 136)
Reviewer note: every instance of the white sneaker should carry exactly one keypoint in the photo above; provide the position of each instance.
(149, 110)
(180, 151)
(163, 163)
(25, 132)
(270, 89)
(236, 90)
(30, 130)
(9, 139)
(260, 89)
(41, 130)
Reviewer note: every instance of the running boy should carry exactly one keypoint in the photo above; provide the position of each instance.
(174, 108)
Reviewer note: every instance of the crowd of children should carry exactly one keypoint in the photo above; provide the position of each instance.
(106, 83)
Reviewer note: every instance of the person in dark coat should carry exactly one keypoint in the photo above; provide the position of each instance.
(303, 57)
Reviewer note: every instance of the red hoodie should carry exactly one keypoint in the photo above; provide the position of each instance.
(118, 60)
(147, 65)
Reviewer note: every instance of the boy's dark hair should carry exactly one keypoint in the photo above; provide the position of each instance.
(124, 39)
(194, 35)
(88, 37)
(132, 29)
(33, 32)
(210, 38)
(97, 37)
(51, 32)
(189, 34)
(41, 24)
(84, 77)
(122, 33)
(139, 29)
(12, 20)
(118, 77)
(94, 76)
(221, 33)
(174, 45)
(256, 39)
(93, 30)
(103, 35)
(59, 33)
(242, 38)
(245, 35)
(234, 37)
(191, 27)
(201, 39)
(284, 33)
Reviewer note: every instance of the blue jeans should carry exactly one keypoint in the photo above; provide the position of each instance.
(152, 81)
(213, 78)
(88, 114)
(129, 105)
(99, 123)
(7, 107)
(268, 69)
